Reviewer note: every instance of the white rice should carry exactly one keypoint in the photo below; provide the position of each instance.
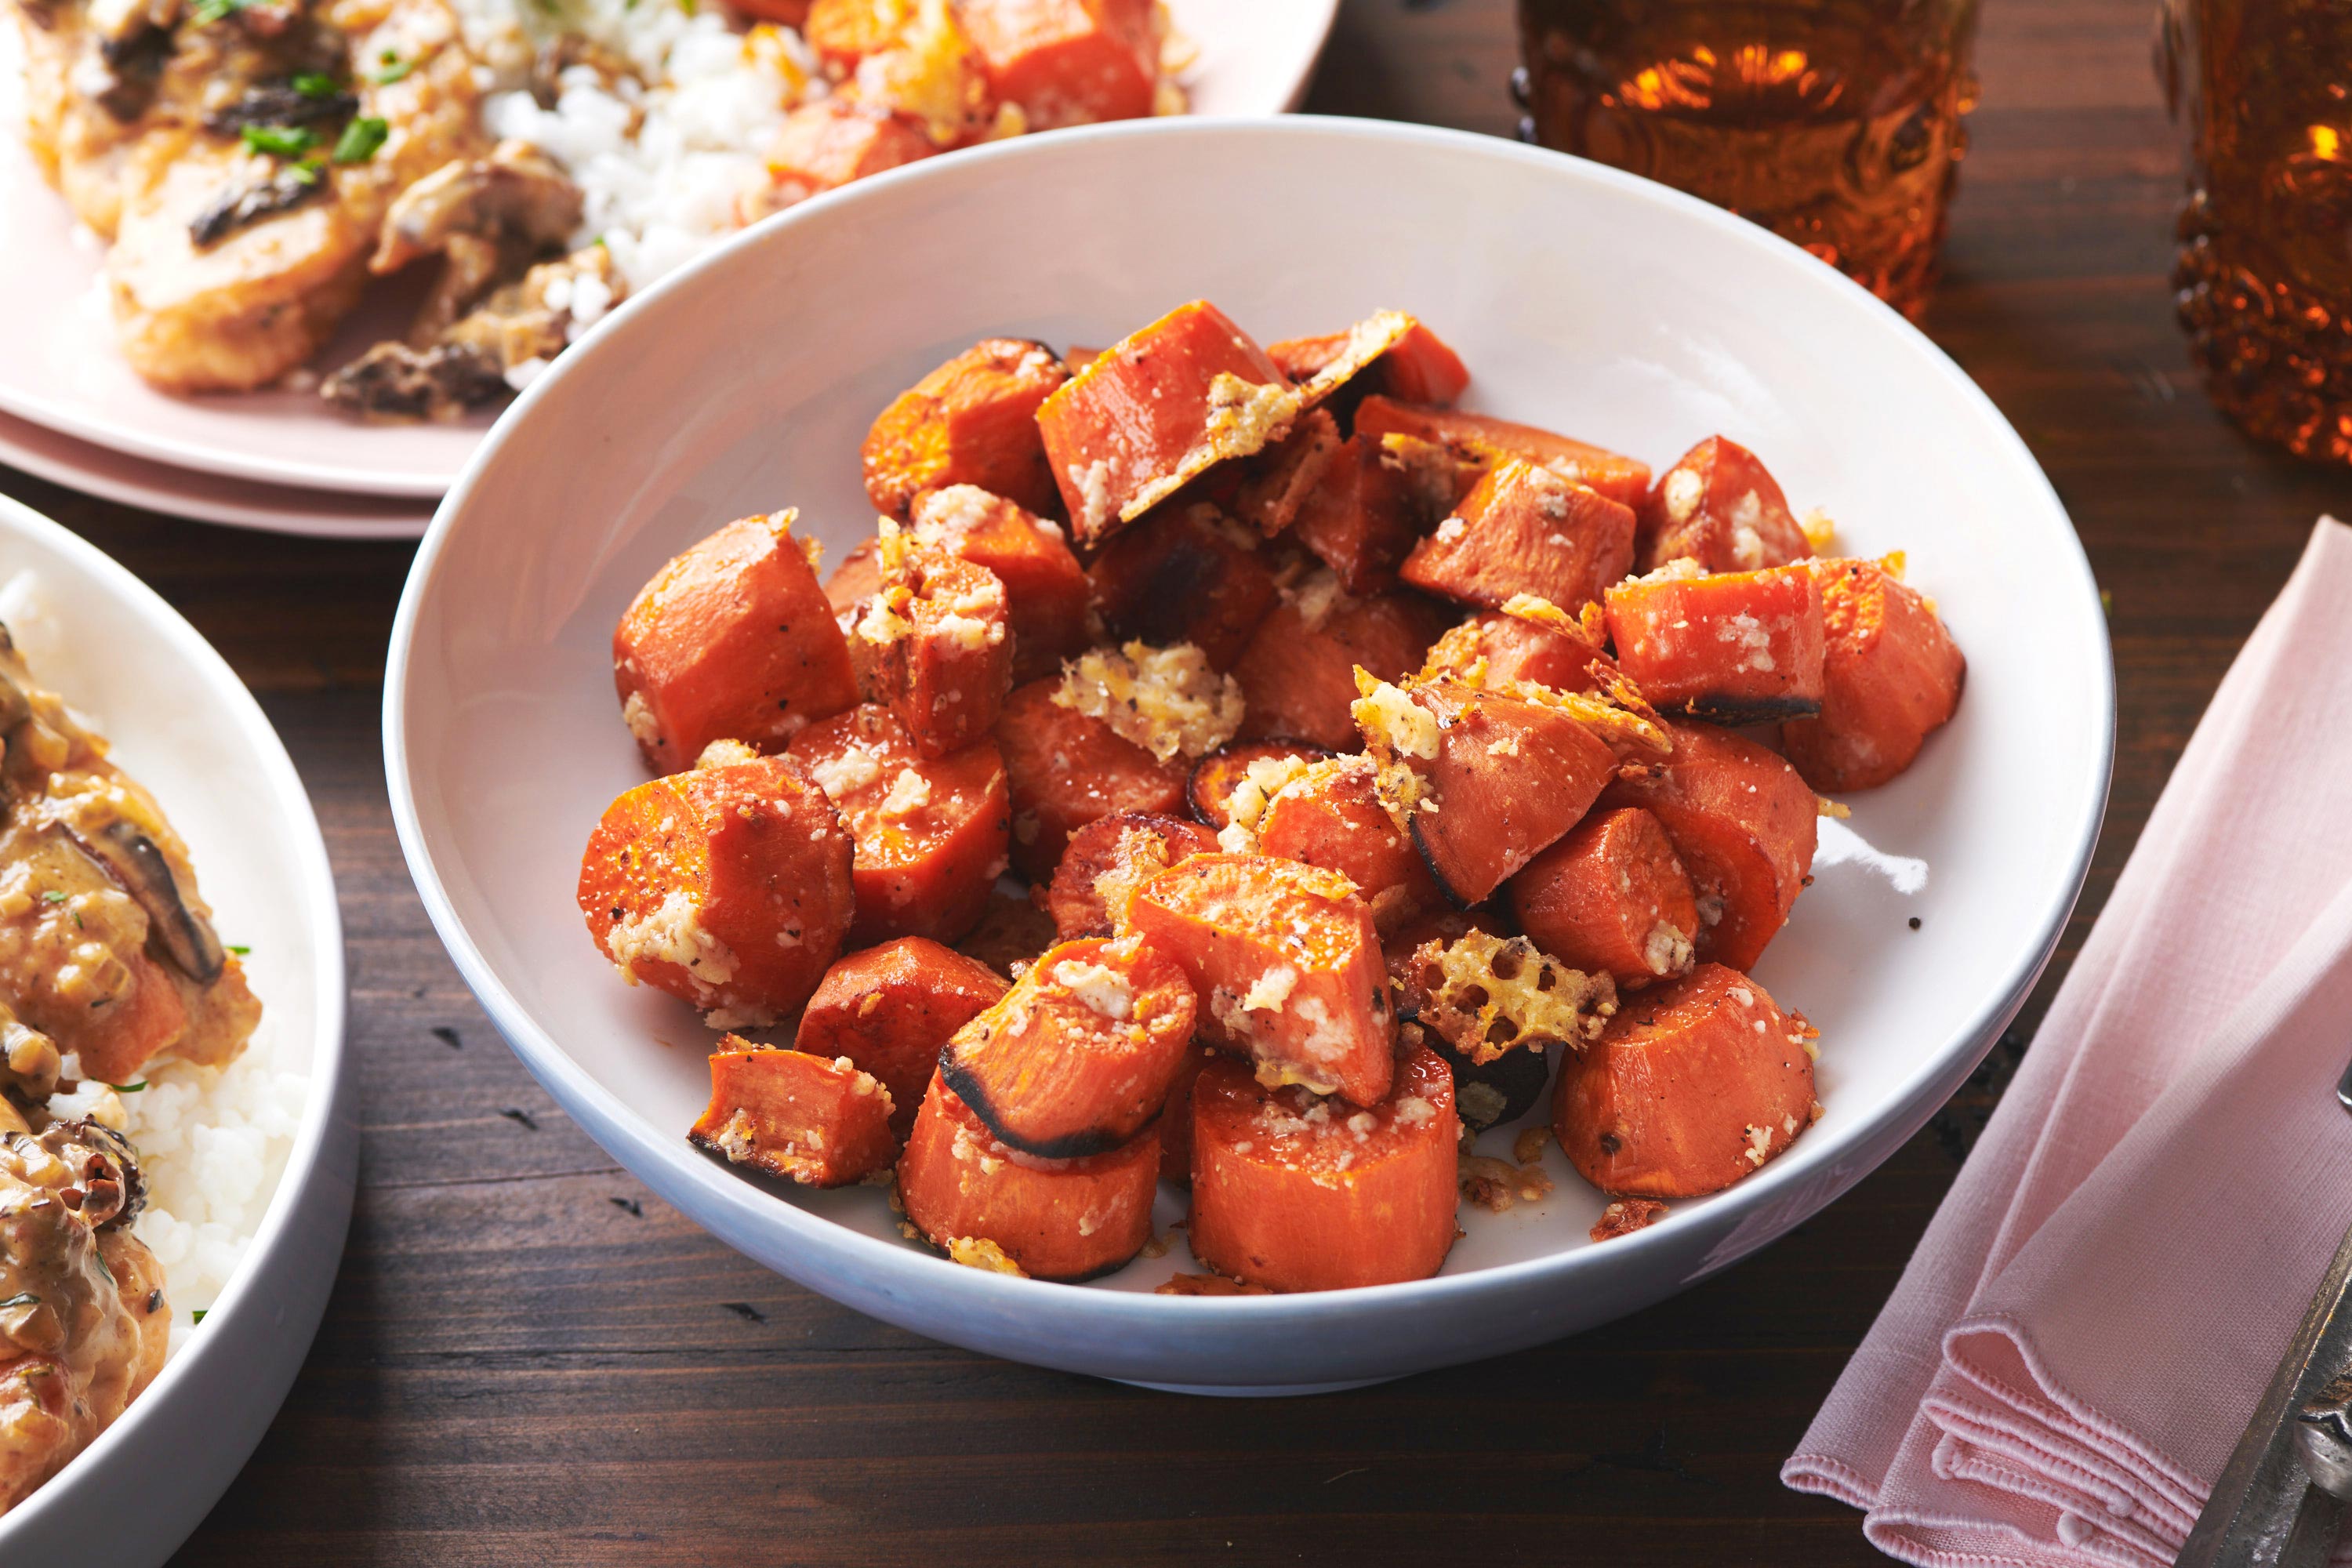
(212, 1141)
(660, 196)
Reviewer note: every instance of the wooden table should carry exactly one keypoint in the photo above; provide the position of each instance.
(528, 1359)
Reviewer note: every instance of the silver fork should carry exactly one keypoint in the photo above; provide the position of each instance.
(2280, 1500)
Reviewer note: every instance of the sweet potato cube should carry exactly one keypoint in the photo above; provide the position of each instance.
(1286, 962)
(1078, 1056)
(1693, 1086)
(1240, 778)
(1719, 507)
(1613, 895)
(890, 1009)
(821, 1121)
(973, 421)
(1479, 441)
(1292, 1192)
(1494, 779)
(1743, 824)
(843, 32)
(1045, 586)
(1524, 530)
(1052, 1219)
(1276, 483)
(1066, 768)
(1531, 640)
(1188, 577)
(1411, 362)
(1736, 648)
(1297, 674)
(727, 887)
(1331, 817)
(731, 640)
(856, 580)
(1891, 674)
(935, 647)
(826, 144)
(1108, 859)
(931, 833)
(1067, 62)
(1360, 519)
(1164, 403)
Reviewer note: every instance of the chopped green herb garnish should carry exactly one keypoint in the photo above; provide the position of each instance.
(127, 1088)
(239, 951)
(21, 1299)
(197, 1316)
(51, 895)
(394, 67)
(305, 172)
(314, 84)
(361, 139)
(207, 12)
(278, 141)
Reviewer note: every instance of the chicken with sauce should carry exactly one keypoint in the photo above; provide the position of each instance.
(108, 962)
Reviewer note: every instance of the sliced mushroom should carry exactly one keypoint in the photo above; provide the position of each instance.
(239, 204)
(106, 1171)
(489, 218)
(131, 858)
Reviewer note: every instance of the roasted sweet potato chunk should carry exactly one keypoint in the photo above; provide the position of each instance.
(1736, 647)
(1271, 485)
(1067, 62)
(1524, 530)
(1045, 586)
(1743, 824)
(1078, 1056)
(1108, 859)
(1891, 674)
(1054, 1219)
(1294, 1192)
(935, 646)
(931, 833)
(1297, 674)
(1410, 362)
(1244, 776)
(890, 1010)
(727, 887)
(973, 421)
(1191, 575)
(1331, 817)
(1494, 778)
(1164, 403)
(843, 32)
(1529, 639)
(1066, 768)
(731, 640)
(1613, 895)
(1693, 1086)
(826, 144)
(856, 580)
(1286, 962)
(820, 1120)
(1480, 441)
(1719, 507)
(1363, 517)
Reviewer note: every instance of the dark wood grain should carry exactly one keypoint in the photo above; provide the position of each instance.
(528, 1359)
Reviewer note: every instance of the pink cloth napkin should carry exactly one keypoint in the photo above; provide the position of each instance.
(2077, 1343)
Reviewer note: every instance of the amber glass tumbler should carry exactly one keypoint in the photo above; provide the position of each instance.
(2264, 90)
(1836, 123)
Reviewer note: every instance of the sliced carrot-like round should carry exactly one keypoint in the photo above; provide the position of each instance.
(820, 1120)
(1078, 1055)
(1295, 1192)
(1108, 859)
(1056, 1219)
(731, 640)
(1286, 962)
(1067, 768)
(1693, 1086)
(973, 421)
(932, 833)
(1892, 675)
(727, 887)
(1480, 441)
(1227, 776)
(1524, 530)
(890, 1009)
(1331, 817)
(1743, 824)
(1612, 896)
(1718, 506)
(1736, 647)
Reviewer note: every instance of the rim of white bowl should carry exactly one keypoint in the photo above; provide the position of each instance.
(547, 1059)
(327, 1046)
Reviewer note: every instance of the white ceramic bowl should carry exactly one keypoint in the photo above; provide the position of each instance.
(183, 722)
(60, 367)
(1583, 299)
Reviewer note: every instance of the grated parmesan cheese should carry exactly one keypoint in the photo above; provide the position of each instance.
(1166, 700)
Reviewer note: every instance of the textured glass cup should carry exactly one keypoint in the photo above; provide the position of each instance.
(1836, 123)
(2264, 90)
